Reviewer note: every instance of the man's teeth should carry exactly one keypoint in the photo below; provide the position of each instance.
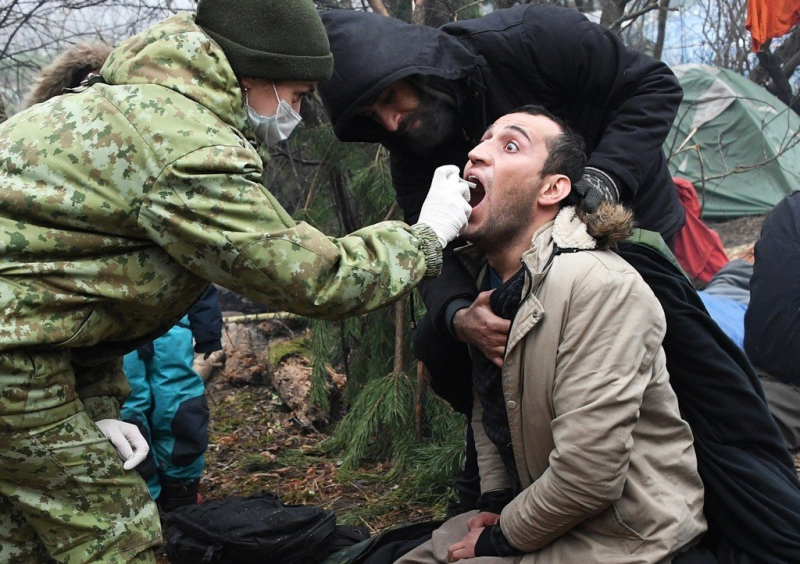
(472, 181)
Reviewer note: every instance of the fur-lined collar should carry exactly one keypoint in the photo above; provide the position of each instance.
(566, 231)
(569, 232)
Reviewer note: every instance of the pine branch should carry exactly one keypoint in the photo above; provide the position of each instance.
(320, 360)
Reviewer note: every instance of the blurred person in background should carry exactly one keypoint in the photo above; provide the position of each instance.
(772, 319)
(168, 403)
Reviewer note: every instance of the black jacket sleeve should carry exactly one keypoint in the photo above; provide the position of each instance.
(205, 320)
(454, 283)
(623, 101)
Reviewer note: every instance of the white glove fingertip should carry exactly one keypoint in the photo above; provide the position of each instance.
(132, 463)
(444, 172)
(137, 457)
(124, 449)
(450, 170)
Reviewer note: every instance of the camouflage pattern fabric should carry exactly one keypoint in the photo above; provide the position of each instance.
(118, 203)
(63, 491)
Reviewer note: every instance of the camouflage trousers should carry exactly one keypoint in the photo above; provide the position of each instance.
(63, 492)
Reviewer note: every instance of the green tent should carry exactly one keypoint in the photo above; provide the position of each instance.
(737, 143)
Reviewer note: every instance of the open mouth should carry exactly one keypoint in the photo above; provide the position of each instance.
(476, 194)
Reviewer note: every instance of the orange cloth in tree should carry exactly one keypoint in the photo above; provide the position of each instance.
(770, 18)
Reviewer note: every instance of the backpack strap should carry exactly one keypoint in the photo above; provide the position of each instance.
(208, 557)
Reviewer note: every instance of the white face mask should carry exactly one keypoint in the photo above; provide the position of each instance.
(273, 129)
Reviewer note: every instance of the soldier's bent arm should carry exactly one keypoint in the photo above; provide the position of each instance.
(210, 212)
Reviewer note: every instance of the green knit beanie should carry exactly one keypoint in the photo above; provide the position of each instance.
(273, 39)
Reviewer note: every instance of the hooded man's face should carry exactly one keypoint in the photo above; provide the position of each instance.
(417, 120)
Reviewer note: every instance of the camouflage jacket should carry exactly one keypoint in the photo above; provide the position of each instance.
(120, 202)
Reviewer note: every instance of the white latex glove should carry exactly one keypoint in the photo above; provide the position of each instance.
(126, 438)
(446, 210)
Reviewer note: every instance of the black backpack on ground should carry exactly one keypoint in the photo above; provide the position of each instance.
(245, 530)
(387, 546)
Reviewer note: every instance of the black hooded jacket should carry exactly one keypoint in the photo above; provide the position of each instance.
(621, 102)
(772, 321)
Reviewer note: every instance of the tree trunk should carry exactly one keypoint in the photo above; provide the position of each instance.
(378, 7)
(613, 10)
(782, 88)
(342, 202)
(662, 28)
(782, 62)
(418, 400)
(419, 9)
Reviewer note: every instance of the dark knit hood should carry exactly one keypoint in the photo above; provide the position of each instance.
(371, 52)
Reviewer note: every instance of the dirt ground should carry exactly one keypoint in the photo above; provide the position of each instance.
(739, 232)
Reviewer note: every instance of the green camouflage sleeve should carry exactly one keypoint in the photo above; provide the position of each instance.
(102, 388)
(210, 212)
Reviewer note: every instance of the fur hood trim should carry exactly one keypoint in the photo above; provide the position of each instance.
(65, 70)
(609, 225)
(569, 232)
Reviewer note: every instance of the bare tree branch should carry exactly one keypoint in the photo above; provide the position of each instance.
(780, 82)
(617, 25)
(32, 32)
(378, 7)
(662, 28)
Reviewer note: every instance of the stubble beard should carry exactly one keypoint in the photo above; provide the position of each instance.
(504, 225)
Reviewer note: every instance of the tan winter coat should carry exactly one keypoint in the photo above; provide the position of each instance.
(607, 465)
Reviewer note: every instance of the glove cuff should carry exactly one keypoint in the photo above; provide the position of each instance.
(430, 247)
(602, 182)
(101, 407)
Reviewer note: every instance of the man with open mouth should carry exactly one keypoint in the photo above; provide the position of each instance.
(583, 451)
(428, 95)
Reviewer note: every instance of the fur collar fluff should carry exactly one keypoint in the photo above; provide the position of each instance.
(569, 232)
(66, 70)
(606, 227)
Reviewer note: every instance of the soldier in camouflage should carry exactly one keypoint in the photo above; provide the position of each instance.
(118, 204)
